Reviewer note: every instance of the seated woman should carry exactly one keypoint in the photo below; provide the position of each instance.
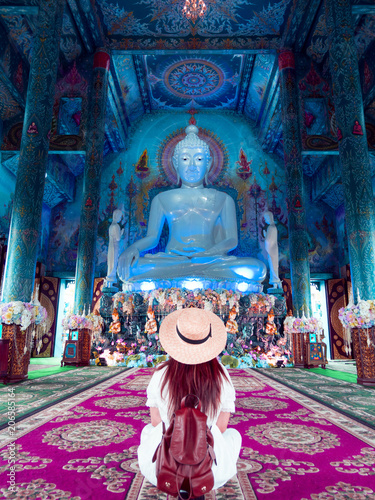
(193, 338)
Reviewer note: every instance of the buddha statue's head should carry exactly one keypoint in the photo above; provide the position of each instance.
(192, 159)
(268, 217)
(117, 215)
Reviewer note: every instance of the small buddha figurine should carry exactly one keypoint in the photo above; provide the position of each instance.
(232, 329)
(202, 226)
(270, 325)
(33, 129)
(128, 307)
(115, 326)
(151, 326)
(232, 325)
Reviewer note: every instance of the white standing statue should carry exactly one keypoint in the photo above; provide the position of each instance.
(272, 249)
(202, 228)
(115, 235)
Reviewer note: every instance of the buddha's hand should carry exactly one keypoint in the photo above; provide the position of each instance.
(127, 259)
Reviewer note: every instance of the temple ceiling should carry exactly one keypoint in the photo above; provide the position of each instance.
(162, 61)
(157, 24)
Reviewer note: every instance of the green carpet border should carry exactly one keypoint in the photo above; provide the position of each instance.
(43, 372)
(64, 398)
(46, 361)
(318, 400)
(46, 372)
(347, 377)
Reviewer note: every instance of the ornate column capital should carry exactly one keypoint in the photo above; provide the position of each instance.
(286, 59)
(102, 59)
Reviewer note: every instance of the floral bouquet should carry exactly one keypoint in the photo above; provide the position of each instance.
(76, 322)
(302, 325)
(177, 298)
(261, 303)
(361, 315)
(40, 315)
(22, 313)
(95, 321)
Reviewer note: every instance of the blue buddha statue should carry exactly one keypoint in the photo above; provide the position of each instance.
(202, 229)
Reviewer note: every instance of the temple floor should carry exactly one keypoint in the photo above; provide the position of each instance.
(306, 434)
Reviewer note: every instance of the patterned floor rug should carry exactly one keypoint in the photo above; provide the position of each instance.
(33, 395)
(293, 447)
(353, 400)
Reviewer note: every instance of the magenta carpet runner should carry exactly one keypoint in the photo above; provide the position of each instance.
(85, 447)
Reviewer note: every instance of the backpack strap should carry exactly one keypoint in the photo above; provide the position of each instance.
(191, 401)
(154, 458)
(180, 479)
(212, 453)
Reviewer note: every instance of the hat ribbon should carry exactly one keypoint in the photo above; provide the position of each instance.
(190, 341)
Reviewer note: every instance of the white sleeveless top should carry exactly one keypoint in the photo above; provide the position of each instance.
(155, 399)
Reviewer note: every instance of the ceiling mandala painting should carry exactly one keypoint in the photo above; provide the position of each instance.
(180, 82)
(155, 24)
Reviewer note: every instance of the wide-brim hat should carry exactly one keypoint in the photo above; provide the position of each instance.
(192, 335)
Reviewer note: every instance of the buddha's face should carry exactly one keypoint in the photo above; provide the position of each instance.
(192, 165)
(268, 218)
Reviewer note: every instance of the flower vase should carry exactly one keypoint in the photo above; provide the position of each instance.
(13, 348)
(364, 353)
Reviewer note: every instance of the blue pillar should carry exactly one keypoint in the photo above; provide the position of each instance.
(353, 148)
(298, 241)
(85, 267)
(28, 197)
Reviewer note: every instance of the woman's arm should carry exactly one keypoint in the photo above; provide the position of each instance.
(155, 416)
(222, 421)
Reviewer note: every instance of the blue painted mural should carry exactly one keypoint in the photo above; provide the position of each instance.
(259, 80)
(254, 179)
(20, 33)
(70, 45)
(70, 112)
(9, 107)
(8, 182)
(7, 185)
(63, 243)
(322, 238)
(14, 79)
(124, 68)
(240, 168)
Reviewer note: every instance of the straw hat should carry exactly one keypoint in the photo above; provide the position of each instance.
(192, 336)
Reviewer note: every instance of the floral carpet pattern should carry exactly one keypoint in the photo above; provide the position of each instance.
(354, 400)
(293, 447)
(33, 395)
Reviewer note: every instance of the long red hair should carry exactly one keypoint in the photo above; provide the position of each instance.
(205, 380)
